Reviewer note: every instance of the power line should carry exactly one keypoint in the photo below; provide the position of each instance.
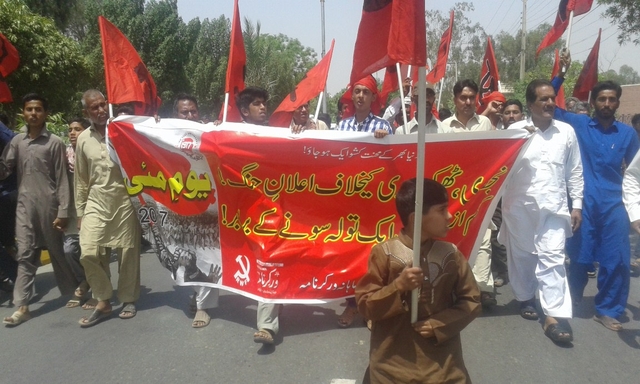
(495, 13)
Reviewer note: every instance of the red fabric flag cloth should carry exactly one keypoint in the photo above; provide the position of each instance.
(126, 75)
(438, 71)
(556, 68)
(9, 58)
(390, 31)
(9, 61)
(489, 77)
(346, 100)
(589, 75)
(236, 68)
(5, 92)
(311, 85)
(578, 7)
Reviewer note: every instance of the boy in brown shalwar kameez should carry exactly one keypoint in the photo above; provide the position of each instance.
(428, 351)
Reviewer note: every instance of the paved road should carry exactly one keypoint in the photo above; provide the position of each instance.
(159, 345)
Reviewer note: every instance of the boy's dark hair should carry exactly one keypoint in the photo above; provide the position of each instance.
(606, 86)
(248, 95)
(184, 96)
(462, 84)
(514, 102)
(635, 119)
(84, 122)
(34, 96)
(533, 86)
(434, 193)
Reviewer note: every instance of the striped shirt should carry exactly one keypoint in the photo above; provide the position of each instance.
(370, 124)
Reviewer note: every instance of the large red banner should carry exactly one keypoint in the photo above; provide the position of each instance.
(285, 218)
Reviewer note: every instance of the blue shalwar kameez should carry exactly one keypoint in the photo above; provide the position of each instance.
(604, 233)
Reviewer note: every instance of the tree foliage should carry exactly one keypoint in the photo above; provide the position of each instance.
(626, 75)
(626, 15)
(275, 62)
(59, 11)
(467, 46)
(207, 64)
(51, 64)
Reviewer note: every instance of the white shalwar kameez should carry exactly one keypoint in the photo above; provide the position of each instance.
(536, 217)
(631, 189)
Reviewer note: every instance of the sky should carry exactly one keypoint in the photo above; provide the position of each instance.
(301, 19)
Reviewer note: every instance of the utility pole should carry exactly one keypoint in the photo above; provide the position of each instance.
(524, 39)
(324, 99)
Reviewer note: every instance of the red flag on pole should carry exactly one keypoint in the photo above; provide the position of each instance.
(578, 7)
(489, 76)
(126, 75)
(236, 67)
(556, 68)
(438, 71)
(390, 31)
(311, 85)
(9, 61)
(589, 75)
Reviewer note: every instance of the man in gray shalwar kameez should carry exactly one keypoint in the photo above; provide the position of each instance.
(38, 158)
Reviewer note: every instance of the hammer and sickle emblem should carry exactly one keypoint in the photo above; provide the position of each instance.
(242, 277)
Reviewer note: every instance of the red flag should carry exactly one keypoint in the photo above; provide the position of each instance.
(126, 75)
(556, 68)
(311, 85)
(9, 61)
(438, 71)
(489, 76)
(236, 67)
(589, 75)
(578, 7)
(390, 31)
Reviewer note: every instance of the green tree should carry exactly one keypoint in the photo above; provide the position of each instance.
(156, 31)
(467, 46)
(276, 63)
(207, 66)
(508, 49)
(626, 15)
(50, 63)
(57, 10)
(626, 75)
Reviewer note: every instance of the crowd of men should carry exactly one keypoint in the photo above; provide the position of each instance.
(563, 206)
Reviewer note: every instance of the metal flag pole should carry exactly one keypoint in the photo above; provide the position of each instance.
(417, 220)
(320, 100)
(225, 106)
(566, 46)
(404, 109)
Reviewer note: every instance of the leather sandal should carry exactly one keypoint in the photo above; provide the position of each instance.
(346, 318)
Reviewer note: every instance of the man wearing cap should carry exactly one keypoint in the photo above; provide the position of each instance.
(364, 94)
(492, 106)
(433, 125)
